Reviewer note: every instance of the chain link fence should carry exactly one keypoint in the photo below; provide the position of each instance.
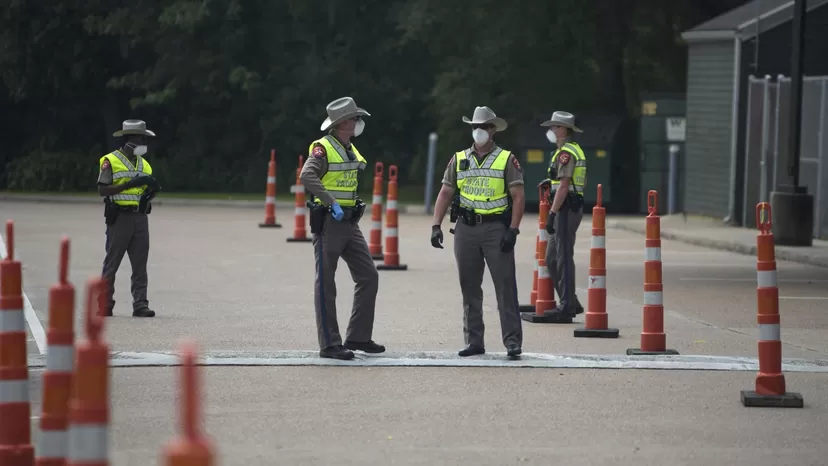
(766, 145)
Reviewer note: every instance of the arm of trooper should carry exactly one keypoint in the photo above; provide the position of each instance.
(446, 194)
(312, 172)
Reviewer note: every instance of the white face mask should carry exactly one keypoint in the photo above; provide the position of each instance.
(551, 136)
(360, 126)
(139, 150)
(480, 136)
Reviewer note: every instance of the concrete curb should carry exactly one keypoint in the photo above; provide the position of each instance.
(243, 203)
(731, 246)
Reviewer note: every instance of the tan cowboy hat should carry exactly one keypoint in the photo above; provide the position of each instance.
(483, 115)
(565, 119)
(133, 127)
(341, 109)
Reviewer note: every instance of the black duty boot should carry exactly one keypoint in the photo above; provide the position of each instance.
(146, 312)
(471, 350)
(368, 346)
(513, 351)
(579, 308)
(336, 352)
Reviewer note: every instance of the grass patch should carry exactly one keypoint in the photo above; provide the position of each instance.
(406, 195)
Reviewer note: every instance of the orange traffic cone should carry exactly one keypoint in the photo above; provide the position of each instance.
(89, 399)
(191, 448)
(546, 284)
(392, 255)
(375, 242)
(595, 322)
(770, 381)
(653, 338)
(57, 378)
(542, 235)
(16, 447)
(300, 233)
(270, 194)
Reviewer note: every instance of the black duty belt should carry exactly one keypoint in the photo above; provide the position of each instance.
(474, 219)
(126, 208)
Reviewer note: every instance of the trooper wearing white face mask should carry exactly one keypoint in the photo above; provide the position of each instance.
(128, 187)
(332, 174)
(488, 182)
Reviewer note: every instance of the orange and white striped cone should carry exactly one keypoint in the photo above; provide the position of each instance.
(392, 255)
(270, 194)
(375, 241)
(546, 284)
(540, 236)
(300, 233)
(53, 443)
(89, 399)
(653, 338)
(16, 447)
(596, 319)
(770, 381)
(191, 447)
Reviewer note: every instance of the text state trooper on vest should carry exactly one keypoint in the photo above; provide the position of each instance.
(488, 207)
(567, 173)
(331, 175)
(126, 183)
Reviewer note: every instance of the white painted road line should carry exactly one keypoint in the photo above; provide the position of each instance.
(35, 326)
(450, 359)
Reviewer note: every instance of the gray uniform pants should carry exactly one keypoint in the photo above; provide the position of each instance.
(343, 239)
(474, 248)
(560, 255)
(129, 234)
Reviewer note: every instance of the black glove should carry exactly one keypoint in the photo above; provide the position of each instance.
(436, 237)
(507, 244)
(550, 223)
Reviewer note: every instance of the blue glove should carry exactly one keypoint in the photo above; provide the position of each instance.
(337, 211)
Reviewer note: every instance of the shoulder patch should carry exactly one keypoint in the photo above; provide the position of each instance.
(516, 163)
(319, 151)
(106, 165)
(564, 158)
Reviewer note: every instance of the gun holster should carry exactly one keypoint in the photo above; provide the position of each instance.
(318, 214)
(145, 204)
(358, 211)
(110, 211)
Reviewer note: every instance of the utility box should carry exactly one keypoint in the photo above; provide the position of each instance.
(662, 124)
(604, 144)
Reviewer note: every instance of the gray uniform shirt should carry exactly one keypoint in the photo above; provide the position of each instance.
(315, 168)
(514, 172)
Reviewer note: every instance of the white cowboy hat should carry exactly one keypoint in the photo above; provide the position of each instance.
(483, 115)
(133, 127)
(341, 109)
(565, 119)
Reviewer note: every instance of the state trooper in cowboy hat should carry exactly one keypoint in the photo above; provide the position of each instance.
(331, 174)
(127, 185)
(488, 184)
(567, 177)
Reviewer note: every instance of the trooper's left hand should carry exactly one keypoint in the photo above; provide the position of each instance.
(507, 244)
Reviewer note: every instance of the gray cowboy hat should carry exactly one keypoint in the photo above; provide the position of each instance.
(341, 109)
(565, 119)
(483, 115)
(133, 127)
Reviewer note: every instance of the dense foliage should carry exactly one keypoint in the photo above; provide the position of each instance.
(224, 81)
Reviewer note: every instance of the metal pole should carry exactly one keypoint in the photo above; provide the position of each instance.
(672, 189)
(763, 152)
(796, 90)
(432, 160)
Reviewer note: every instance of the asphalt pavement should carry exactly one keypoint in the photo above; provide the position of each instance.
(246, 295)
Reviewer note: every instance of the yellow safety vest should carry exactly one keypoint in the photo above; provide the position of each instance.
(122, 171)
(483, 187)
(579, 175)
(342, 177)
